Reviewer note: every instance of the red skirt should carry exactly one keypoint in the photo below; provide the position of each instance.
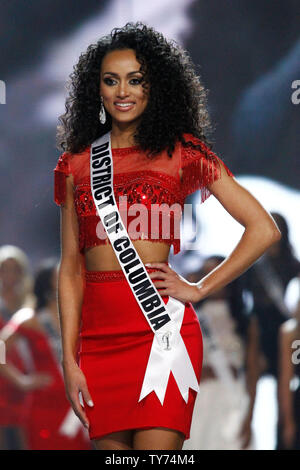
(115, 344)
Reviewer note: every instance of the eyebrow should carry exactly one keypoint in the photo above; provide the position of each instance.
(116, 75)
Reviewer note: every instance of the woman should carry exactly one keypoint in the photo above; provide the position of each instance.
(267, 281)
(224, 407)
(152, 107)
(15, 292)
(48, 410)
(288, 430)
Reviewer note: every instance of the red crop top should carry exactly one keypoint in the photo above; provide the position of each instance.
(156, 187)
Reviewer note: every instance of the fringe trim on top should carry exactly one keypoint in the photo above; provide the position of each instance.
(198, 173)
(59, 187)
(61, 171)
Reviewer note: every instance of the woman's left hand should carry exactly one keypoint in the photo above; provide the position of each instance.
(172, 284)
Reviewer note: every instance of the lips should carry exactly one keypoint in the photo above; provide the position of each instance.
(124, 105)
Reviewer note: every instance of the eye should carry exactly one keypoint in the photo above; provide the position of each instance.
(108, 81)
(137, 80)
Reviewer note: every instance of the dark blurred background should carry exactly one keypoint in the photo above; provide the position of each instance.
(247, 54)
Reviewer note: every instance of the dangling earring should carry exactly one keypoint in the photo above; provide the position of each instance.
(102, 114)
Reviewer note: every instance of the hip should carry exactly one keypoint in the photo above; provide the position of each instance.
(110, 310)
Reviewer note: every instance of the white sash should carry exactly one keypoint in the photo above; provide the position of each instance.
(168, 352)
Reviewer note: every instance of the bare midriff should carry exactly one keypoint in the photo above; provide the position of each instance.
(103, 258)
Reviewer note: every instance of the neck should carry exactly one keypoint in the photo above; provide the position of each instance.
(11, 298)
(122, 134)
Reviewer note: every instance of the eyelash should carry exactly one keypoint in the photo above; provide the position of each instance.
(138, 79)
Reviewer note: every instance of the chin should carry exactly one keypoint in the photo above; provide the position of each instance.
(126, 118)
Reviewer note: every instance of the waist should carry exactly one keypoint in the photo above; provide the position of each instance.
(111, 275)
(103, 258)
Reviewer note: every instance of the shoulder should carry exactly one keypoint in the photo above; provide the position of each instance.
(200, 166)
(194, 140)
(288, 329)
(190, 137)
(63, 162)
(67, 159)
(72, 165)
(200, 153)
(196, 149)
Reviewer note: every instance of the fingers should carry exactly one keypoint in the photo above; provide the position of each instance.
(160, 284)
(86, 395)
(163, 266)
(158, 275)
(163, 287)
(78, 410)
(165, 284)
(163, 292)
(170, 283)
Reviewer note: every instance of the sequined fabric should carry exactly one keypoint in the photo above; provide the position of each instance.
(157, 188)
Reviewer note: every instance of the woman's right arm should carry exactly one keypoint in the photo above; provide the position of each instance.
(286, 372)
(252, 376)
(9, 334)
(70, 296)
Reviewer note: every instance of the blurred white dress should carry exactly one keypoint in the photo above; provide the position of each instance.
(222, 402)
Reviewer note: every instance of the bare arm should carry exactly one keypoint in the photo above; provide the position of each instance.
(286, 372)
(70, 296)
(12, 375)
(24, 382)
(70, 278)
(252, 376)
(252, 362)
(260, 233)
(9, 334)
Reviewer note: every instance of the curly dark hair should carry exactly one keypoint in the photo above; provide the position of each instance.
(177, 101)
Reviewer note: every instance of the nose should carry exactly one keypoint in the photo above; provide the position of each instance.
(122, 91)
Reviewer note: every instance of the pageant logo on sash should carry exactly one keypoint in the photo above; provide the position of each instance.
(168, 351)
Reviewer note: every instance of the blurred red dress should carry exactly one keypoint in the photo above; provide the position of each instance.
(13, 407)
(49, 411)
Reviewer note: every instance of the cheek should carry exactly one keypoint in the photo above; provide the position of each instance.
(143, 97)
(106, 92)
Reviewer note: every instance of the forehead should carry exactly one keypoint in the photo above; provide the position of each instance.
(10, 263)
(115, 61)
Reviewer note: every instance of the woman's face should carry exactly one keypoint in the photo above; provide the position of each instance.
(11, 273)
(121, 82)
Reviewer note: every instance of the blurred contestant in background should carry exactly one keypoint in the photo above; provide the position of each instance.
(15, 291)
(50, 422)
(224, 406)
